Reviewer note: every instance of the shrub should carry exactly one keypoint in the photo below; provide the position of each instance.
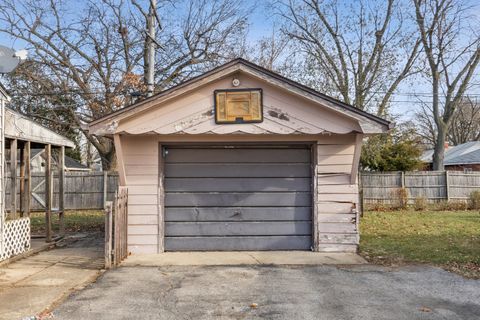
(399, 198)
(420, 203)
(474, 200)
(457, 205)
(377, 206)
(450, 206)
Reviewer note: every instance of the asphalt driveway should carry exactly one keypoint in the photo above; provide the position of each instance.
(265, 292)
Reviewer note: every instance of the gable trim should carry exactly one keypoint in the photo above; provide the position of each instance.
(226, 70)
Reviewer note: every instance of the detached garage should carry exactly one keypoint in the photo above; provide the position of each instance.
(240, 158)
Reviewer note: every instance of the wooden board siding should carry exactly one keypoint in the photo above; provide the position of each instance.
(140, 155)
(252, 197)
(337, 197)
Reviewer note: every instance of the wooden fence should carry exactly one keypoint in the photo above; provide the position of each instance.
(116, 223)
(434, 186)
(91, 190)
(83, 190)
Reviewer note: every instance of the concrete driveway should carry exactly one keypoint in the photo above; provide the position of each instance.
(275, 292)
(31, 285)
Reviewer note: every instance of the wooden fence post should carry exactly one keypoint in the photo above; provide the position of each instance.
(28, 180)
(22, 179)
(105, 187)
(360, 194)
(108, 234)
(13, 176)
(61, 191)
(115, 229)
(48, 193)
(447, 185)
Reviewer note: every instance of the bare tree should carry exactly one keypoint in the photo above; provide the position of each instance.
(465, 124)
(464, 127)
(426, 125)
(452, 50)
(270, 51)
(362, 50)
(91, 53)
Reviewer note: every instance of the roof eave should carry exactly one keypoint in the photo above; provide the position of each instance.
(371, 124)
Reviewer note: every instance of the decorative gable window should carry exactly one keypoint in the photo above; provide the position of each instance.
(238, 106)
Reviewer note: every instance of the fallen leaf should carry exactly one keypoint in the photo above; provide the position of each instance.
(425, 309)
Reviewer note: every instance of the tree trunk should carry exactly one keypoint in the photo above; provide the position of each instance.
(439, 150)
(106, 151)
(109, 161)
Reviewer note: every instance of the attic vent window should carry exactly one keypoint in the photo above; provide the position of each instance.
(238, 106)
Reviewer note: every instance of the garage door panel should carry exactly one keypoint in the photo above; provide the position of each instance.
(238, 243)
(238, 198)
(238, 214)
(228, 155)
(269, 228)
(237, 184)
(240, 170)
(271, 199)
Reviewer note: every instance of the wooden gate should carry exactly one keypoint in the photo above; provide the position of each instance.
(116, 222)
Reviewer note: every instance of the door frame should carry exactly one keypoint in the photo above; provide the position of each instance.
(311, 145)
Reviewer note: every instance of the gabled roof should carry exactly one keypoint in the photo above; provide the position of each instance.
(466, 153)
(369, 123)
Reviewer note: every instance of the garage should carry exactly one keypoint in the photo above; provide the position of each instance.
(240, 158)
(238, 197)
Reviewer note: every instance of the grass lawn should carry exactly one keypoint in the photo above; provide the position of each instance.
(450, 239)
(75, 221)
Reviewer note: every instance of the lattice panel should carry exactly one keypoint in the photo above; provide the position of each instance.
(16, 237)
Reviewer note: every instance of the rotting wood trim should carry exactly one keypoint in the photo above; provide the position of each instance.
(120, 160)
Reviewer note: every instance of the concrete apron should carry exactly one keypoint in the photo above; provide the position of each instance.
(220, 258)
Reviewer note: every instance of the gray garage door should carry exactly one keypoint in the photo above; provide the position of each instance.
(237, 198)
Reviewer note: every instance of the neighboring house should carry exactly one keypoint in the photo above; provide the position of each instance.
(38, 159)
(464, 157)
(240, 158)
